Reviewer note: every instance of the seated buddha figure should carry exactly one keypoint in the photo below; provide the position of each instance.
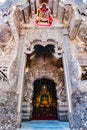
(44, 100)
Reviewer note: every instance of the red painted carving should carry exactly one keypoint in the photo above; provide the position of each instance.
(43, 17)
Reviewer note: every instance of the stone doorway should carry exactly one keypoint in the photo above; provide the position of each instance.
(43, 66)
(44, 100)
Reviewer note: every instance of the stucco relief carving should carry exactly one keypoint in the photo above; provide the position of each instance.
(44, 37)
(7, 45)
(43, 34)
(5, 35)
(12, 72)
(58, 51)
(49, 72)
(82, 33)
(57, 47)
(41, 71)
(8, 51)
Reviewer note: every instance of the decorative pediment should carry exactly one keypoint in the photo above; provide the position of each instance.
(44, 37)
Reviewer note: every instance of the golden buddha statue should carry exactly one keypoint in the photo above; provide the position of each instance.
(44, 98)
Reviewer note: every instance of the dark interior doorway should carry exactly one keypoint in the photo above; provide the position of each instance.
(44, 100)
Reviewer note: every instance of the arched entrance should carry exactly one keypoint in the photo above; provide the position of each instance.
(44, 95)
(44, 100)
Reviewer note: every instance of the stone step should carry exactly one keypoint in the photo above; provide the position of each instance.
(44, 125)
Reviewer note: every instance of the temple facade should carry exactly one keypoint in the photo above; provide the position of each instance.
(43, 62)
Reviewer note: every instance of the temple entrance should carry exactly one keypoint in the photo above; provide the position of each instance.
(44, 100)
(44, 95)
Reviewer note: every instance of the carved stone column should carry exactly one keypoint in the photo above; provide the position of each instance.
(26, 12)
(50, 5)
(60, 11)
(37, 4)
(55, 8)
(32, 2)
(74, 24)
(20, 15)
(67, 15)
